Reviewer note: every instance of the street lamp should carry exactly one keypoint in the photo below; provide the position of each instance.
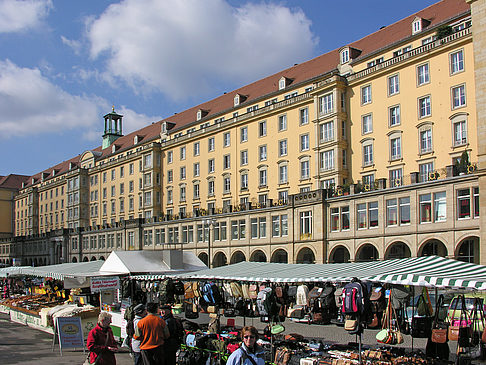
(209, 222)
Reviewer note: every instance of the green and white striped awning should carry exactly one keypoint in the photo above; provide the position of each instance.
(430, 271)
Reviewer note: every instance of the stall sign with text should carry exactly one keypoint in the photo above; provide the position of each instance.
(70, 332)
(105, 283)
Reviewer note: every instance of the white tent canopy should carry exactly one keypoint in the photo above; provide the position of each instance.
(67, 270)
(160, 262)
(431, 271)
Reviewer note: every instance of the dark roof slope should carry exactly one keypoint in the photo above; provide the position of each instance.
(12, 181)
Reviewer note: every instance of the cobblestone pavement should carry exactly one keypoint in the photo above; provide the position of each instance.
(20, 344)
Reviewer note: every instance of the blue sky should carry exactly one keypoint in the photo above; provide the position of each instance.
(64, 63)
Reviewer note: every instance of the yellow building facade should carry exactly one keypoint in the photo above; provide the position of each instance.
(350, 156)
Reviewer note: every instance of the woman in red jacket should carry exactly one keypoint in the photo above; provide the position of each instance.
(101, 342)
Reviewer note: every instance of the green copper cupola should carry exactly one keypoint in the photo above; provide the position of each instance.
(113, 128)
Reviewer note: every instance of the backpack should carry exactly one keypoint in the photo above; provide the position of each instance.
(302, 295)
(267, 302)
(211, 294)
(353, 298)
(166, 291)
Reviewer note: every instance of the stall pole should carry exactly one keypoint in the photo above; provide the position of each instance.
(413, 312)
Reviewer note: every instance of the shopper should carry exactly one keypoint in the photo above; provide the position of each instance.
(101, 342)
(176, 335)
(140, 312)
(249, 352)
(152, 333)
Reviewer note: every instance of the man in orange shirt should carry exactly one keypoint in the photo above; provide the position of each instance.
(152, 331)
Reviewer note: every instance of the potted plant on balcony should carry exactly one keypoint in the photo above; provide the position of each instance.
(444, 31)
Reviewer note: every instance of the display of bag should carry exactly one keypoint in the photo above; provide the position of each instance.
(422, 320)
(390, 333)
(460, 330)
(439, 327)
(297, 312)
(191, 310)
(282, 356)
(351, 324)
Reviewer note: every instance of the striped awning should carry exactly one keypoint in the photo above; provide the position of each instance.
(67, 270)
(430, 271)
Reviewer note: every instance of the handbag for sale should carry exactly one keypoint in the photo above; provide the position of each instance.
(351, 325)
(296, 312)
(460, 330)
(439, 328)
(390, 333)
(422, 324)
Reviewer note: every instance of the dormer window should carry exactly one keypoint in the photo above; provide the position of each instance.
(418, 24)
(135, 140)
(238, 99)
(344, 56)
(113, 148)
(201, 114)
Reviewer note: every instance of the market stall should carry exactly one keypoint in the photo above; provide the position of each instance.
(242, 284)
(141, 266)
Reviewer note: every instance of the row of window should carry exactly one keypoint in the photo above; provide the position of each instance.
(456, 65)
(432, 208)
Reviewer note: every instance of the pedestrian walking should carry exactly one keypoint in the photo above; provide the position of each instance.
(152, 333)
(176, 335)
(249, 352)
(140, 312)
(101, 343)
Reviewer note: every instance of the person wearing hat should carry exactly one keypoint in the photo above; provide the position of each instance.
(140, 312)
(176, 335)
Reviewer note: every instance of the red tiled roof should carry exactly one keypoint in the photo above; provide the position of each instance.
(436, 14)
(12, 181)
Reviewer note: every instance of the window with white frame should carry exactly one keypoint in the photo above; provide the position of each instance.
(244, 180)
(326, 104)
(395, 147)
(367, 123)
(304, 116)
(368, 154)
(416, 26)
(262, 153)
(262, 173)
(366, 94)
(211, 144)
(345, 56)
(345, 218)
(344, 158)
(282, 122)
(440, 206)
(170, 196)
(170, 176)
(305, 224)
(170, 158)
(394, 115)
(196, 169)
(196, 191)
(425, 208)
(463, 203)
(327, 160)
(281, 83)
(424, 170)
(244, 134)
(334, 219)
(393, 85)
(183, 153)
(424, 107)
(304, 142)
(211, 187)
(226, 162)
(226, 139)
(326, 131)
(182, 193)
(211, 166)
(327, 184)
(460, 132)
(282, 147)
(262, 128)
(283, 195)
(183, 173)
(282, 174)
(457, 62)
(197, 149)
(425, 140)
(396, 176)
(304, 169)
(458, 96)
(423, 76)
(244, 158)
(226, 184)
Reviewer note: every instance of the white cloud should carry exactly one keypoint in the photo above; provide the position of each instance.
(30, 104)
(73, 44)
(20, 15)
(188, 47)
